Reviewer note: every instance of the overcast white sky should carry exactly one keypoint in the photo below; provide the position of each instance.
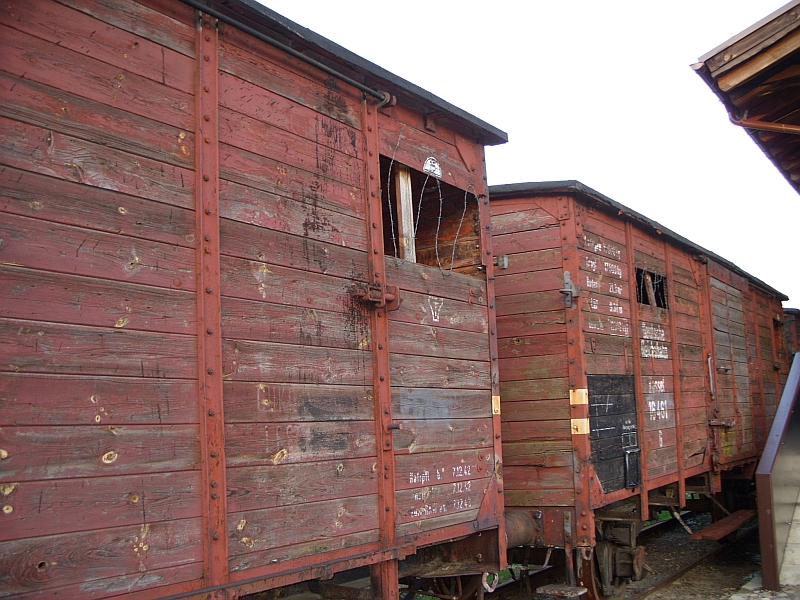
(601, 92)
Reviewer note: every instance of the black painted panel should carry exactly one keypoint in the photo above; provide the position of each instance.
(613, 431)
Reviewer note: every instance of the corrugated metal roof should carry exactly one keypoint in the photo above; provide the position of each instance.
(599, 200)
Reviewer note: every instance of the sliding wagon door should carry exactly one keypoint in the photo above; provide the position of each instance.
(733, 408)
(439, 338)
(441, 397)
(297, 350)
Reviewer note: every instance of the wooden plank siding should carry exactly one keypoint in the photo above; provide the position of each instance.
(651, 310)
(686, 288)
(532, 343)
(98, 316)
(186, 357)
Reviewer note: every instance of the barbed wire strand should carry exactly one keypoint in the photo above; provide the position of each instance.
(460, 224)
(398, 260)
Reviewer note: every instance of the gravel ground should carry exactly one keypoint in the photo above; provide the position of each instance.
(732, 574)
(669, 549)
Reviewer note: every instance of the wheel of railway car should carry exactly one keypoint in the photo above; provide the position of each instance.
(591, 578)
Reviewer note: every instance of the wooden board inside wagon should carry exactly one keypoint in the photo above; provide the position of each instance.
(613, 431)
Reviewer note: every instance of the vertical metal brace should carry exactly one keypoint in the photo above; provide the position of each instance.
(637, 358)
(676, 371)
(383, 575)
(475, 160)
(209, 323)
(583, 473)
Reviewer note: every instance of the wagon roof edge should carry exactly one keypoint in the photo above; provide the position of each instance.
(268, 20)
(603, 201)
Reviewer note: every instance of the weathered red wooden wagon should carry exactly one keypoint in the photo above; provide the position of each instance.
(244, 312)
(635, 367)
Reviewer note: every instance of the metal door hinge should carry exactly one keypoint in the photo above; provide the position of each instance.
(382, 296)
(570, 290)
(726, 423)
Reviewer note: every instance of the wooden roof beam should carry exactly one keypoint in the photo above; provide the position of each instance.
(760, 62)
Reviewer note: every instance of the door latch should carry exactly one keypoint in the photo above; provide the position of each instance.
(382, 296)
(570, 290)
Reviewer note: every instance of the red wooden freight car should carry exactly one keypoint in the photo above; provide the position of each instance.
(214, 379)
(635, 367)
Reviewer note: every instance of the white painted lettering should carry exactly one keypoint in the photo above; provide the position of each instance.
(462, 470)
(658, 409)
(612, 269)
(654, 331)
(652, 349)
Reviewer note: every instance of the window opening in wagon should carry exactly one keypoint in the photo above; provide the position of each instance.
(429, 221)
(651, 288)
